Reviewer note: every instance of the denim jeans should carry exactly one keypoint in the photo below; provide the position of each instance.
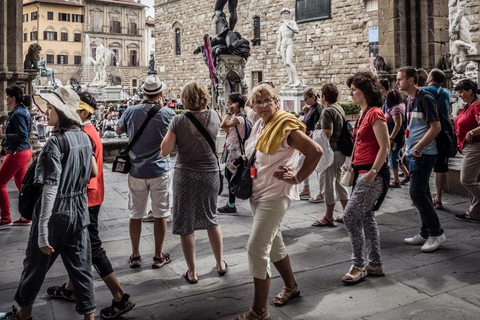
(420, 170)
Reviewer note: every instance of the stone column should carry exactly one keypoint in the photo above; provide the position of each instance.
(413, 32)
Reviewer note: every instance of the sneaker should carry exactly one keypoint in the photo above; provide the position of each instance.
(12, 315)
(22, 222)
(149, 217)
(433, 243)
(227, 209)
(464, 217)
(416, 240)
(304, 195)
(118, 308)
(317, 199)
(4, 224)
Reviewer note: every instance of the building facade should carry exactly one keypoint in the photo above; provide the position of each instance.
(335, 40)
(63, 28)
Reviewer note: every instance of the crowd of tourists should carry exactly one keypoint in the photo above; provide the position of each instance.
(391, 134)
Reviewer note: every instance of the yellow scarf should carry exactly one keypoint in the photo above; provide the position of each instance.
(276, 131)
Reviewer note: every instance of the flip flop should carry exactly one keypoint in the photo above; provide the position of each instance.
(188, 279)
(224, 271)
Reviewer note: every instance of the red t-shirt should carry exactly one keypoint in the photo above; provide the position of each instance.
(467, 120)
(95, 188)
(366, 147)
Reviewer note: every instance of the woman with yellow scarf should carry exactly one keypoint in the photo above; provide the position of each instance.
(276, 140)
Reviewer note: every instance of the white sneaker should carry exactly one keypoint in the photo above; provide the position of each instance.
(433, 243)
(416, 240)
(148, 217)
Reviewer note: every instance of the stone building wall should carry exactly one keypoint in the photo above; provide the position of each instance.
(327, 50)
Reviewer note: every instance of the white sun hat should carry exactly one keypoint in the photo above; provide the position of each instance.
(63, 99)
(153, 85)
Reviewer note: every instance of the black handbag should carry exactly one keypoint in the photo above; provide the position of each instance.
(30, 193)
(241, 182)
(210, 141)
(121, 164)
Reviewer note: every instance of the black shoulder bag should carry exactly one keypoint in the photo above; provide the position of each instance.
(30, 193)
(121, 164)
(210, 141)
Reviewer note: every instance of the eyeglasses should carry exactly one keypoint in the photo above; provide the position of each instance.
(266, 103)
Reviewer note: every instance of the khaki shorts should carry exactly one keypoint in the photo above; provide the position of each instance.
(139, 189)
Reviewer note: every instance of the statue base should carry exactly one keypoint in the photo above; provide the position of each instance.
(291, 99)
(98, 92)
(113, 93)
(42, 89)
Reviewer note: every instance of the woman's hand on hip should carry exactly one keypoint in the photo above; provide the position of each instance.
(369, 177)
(286, 174)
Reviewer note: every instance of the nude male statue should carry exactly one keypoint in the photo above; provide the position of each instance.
(460, 36)
(99, 63)
(232, 8)
(285, 47)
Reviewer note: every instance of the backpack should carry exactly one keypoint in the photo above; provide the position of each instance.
(248, 130)
(345, 140)
(30, 193)
(446, 139)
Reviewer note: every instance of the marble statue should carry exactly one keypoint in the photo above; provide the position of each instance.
(446, 62)
(460, 37)
(32, 56)
(151, 64)
(43, 71)
(284, 50)
(371, 62)
(99, 64)
(222, 18)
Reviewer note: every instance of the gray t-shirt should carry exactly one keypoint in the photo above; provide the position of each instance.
(146, 162)
(194, 152)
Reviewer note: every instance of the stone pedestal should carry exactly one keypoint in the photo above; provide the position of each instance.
(41, 89)
(291, 99)
(98, 92)
(113, 93)
(231, 78)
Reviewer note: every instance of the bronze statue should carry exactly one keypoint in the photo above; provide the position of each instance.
(32, 57)
(75, 85)
(151, 64)
(232, 8)
(233, 43)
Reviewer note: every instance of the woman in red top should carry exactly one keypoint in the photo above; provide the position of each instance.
(467, 127)
(373, 176)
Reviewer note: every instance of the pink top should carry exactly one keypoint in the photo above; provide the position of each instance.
(232, 136)
(266, 187)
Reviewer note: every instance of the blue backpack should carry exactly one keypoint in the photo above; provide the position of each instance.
(248, 131)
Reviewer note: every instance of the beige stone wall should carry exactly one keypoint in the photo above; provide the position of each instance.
(326, 50)
(472, 13)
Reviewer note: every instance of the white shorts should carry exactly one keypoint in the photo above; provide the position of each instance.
(158, 188)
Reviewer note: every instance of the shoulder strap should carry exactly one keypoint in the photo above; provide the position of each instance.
(151, 113)
(203, 131)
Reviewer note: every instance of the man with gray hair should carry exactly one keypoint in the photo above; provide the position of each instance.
(150, 173)
(286, 33)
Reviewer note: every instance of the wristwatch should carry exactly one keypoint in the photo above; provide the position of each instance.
(374, 170)
(471, 133)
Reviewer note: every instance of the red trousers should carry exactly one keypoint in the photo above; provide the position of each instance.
(15, 165)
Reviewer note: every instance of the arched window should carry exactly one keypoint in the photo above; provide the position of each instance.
(178, 44)
(256, 31)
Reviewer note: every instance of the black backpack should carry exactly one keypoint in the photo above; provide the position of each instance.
(248, 130)
(446, 139)
(30, 193)
(345, 140)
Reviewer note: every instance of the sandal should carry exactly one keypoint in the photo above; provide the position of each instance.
(394, 184)
(304, 195)
(350, 278)
(376, 271)
(188, 279)
(118, 308)
(135, 262)
(405, 180)
(338, 219)
(251, 315)
(286, 295)
(224, 271)
(324, 222)
(160, 262)
(61, 293)
(438, 204)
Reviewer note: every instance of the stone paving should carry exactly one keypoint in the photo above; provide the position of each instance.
(441, 285)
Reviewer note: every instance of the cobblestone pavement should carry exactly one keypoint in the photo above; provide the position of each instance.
(439, 285)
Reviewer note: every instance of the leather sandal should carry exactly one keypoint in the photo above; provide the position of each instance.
(351, 278)
(376, 271)
(405, 180)
(338, 219)
(61, 293)
(118, 308)
(160, 262)
(286, 295)
(135, 262)
(324, 222)
(251, 315)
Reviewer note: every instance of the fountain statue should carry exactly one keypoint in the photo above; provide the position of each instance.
(102, 57)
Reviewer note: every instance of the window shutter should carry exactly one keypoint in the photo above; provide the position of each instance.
(59, 59)
(66, 59)
(55, 36)
(44, 35)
